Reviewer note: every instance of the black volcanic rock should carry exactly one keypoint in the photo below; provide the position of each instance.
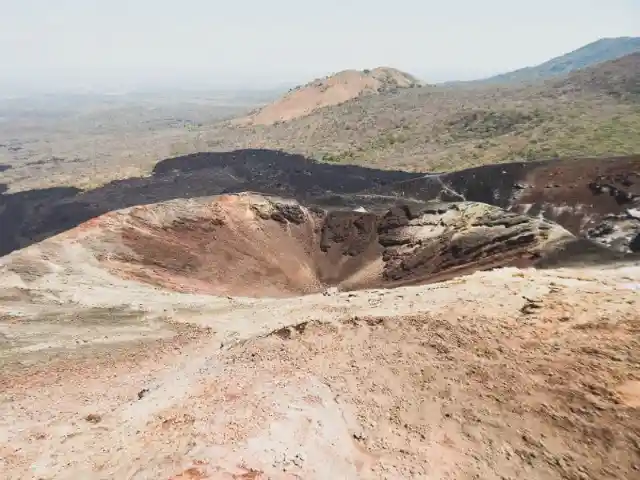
(634, 245)
(561, 190)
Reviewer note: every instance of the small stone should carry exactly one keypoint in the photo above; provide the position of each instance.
(93, 418)
(142, 393)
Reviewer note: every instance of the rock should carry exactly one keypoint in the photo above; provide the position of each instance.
(93, 418)
(531, 306)
(473, 237)
(634, 245)
(634, 213)
(142, 393)
(617, 232)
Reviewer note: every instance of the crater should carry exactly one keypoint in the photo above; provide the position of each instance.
(256, 246)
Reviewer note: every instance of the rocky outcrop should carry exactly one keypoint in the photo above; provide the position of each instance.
(618, 231)
(450, 239)
(589, 197)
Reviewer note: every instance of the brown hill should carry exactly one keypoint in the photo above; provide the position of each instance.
(331, 90)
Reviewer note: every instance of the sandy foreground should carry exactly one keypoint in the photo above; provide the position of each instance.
(497, 375)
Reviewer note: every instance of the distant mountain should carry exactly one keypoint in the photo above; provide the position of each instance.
(587, 56)
(619, 78)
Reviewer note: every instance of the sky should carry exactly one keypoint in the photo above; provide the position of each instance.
(109, 44)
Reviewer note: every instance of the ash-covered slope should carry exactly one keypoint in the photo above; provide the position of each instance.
(596, 197)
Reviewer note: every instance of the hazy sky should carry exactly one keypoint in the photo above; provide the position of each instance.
(104, 43)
